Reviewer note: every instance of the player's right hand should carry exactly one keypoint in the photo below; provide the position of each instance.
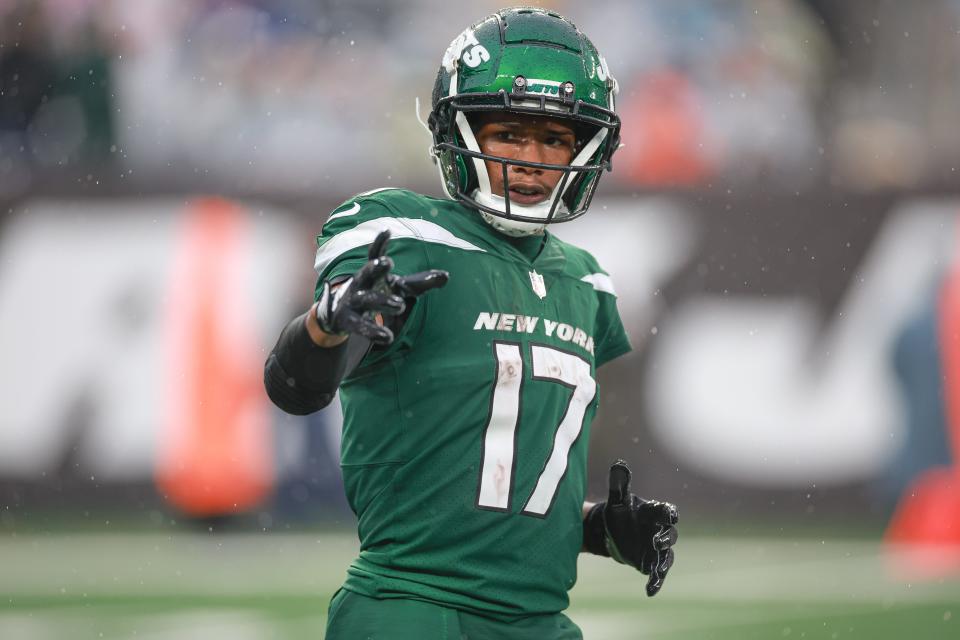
(353, 306)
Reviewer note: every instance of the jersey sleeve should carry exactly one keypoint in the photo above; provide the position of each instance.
(610, 338)
(346, 237)
(613, 341)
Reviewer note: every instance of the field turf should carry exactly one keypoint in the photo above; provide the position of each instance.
(275, 585)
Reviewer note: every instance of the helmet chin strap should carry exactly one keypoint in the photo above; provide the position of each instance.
(509, 227)
(512, 227)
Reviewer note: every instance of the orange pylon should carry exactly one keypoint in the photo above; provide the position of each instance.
(924, 533)
(215, 448)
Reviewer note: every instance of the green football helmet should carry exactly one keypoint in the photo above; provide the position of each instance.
(530, 61)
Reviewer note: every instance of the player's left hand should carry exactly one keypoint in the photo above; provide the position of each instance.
(632, 530)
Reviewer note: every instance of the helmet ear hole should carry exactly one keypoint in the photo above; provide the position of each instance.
(465, 174)
(449, 172)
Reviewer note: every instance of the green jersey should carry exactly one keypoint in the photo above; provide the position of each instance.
(464, 447)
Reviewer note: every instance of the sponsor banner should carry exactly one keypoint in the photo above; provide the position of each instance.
(764, 331)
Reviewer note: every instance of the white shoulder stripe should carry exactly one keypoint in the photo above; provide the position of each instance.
(346, 212)
(600, 282)
(373, 191)
(365, 232)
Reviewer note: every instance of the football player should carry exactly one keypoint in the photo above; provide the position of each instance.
(464, 339)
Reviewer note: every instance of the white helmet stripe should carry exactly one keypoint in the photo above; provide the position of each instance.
(453, 82)
(586, 153)
(483, 179)
(589, 149)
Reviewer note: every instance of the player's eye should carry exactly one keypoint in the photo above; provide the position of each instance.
(559, 141)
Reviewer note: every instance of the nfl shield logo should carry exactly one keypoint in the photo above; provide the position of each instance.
(539, 288)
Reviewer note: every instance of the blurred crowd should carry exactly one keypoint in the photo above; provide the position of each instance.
(293, 95)
(57, 99)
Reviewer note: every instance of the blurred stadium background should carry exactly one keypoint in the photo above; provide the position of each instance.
(781, 225)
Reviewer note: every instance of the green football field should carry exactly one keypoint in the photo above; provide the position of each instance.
(273, 585)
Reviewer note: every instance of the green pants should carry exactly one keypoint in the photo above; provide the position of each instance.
(356, 617)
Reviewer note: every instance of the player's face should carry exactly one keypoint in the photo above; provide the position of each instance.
(528, 138)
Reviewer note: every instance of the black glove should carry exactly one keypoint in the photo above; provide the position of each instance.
(352, 307)
(632, 530)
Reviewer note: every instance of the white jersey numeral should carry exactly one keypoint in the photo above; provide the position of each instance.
(498, 460)
(499, 439)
